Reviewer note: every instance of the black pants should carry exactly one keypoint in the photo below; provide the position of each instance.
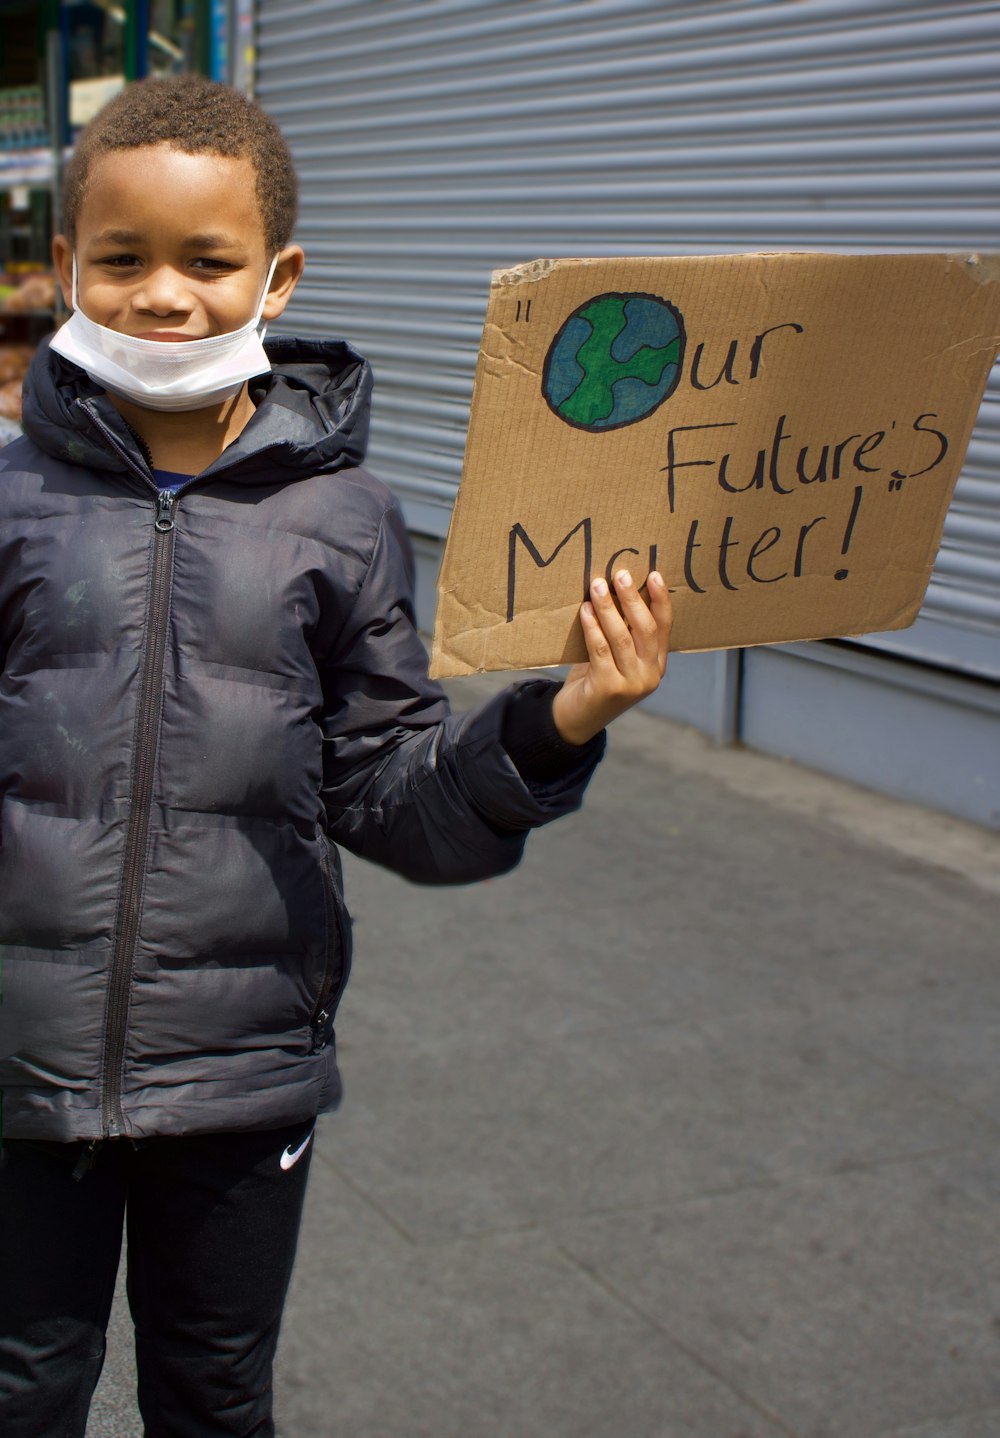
(212, 1222)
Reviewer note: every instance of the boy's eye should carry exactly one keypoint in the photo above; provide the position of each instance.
(206, 263)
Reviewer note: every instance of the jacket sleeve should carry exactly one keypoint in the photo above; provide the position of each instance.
(407, 784)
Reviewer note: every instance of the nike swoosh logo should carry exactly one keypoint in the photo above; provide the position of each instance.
(288, 1158)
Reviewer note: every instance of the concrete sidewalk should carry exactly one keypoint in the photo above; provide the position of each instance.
(687, 1129)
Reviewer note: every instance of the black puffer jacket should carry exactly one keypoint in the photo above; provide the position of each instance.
(195, 699)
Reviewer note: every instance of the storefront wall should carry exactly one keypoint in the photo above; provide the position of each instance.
(438, 142)
(60, 61)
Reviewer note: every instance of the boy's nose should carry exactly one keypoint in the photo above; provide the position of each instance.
(162, 292)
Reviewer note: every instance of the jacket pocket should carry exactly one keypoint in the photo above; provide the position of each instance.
(337, 968)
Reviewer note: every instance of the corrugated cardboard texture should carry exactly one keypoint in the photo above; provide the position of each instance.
(778, 434)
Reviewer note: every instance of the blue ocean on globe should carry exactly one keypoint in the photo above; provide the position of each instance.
(614, 360)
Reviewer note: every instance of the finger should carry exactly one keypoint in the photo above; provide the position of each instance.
(614, 627)
(662, 607)
(602, 660)
(638, 616)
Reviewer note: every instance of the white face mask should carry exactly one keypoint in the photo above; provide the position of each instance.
(170, 374)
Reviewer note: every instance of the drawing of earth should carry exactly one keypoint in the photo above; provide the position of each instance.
(615, 359)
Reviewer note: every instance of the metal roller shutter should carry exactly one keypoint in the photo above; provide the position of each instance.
(439, 141)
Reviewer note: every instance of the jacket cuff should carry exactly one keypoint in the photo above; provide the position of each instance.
(529, 734)
(505, 800)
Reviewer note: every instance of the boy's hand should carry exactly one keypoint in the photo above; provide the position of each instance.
(627, 656)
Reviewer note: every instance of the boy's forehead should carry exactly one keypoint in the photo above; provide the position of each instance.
(141, 190)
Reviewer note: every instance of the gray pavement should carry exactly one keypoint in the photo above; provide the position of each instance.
(687, 1129)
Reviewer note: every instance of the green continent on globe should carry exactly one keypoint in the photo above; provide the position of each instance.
(593, 398)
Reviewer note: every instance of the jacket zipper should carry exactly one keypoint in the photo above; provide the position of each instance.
(330, 994)
(112, 441)
(147, 723)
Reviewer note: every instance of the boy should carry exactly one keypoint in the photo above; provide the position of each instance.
(208, 676)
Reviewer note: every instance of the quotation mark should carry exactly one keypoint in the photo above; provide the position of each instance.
(527, 311)
(896, 482)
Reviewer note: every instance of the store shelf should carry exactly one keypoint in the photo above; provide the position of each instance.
(26, 167)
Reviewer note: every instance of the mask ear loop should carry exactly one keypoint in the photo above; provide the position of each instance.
(75, 305)
(263, 298)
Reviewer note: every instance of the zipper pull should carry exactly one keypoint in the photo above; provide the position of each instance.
(87, 1159)
(165, 501)
(319, 1024)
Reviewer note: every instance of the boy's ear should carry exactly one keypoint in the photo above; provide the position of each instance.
(62, 259)
(287, 273)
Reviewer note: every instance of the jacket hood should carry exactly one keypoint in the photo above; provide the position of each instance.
(312, 415)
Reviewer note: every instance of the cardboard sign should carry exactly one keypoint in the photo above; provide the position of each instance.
(778, 434)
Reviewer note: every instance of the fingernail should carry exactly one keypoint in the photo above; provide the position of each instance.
(655, 579)
(623, 579)
(588, 612)
(599, 588)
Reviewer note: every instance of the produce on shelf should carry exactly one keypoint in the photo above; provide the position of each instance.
(14, 362)
(10, 400)
(27, 295)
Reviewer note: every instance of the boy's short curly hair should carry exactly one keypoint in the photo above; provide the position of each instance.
(196, 116)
